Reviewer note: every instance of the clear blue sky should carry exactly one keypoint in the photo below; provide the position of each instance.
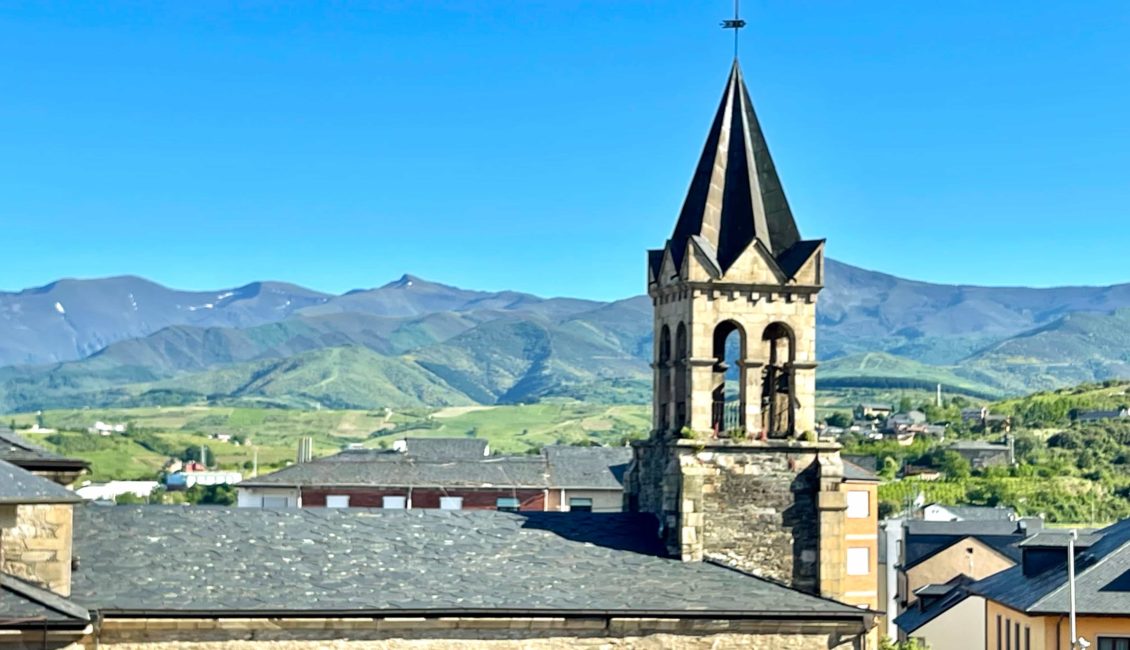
(544, 145)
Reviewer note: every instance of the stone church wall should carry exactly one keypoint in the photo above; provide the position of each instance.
(774, 508)
(759, 513)
(38, 548)
(464, 634)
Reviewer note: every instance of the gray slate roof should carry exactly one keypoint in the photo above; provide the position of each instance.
(1102, 580)
(19, 451)
(853, 472)
(458, 466)
(924, 539)
(981, 513)
(446, 448)
(25, 605)
(978, 445)
(19, 486)
(917, 616)
(751, 206)
(599, 468)
(401, 470)
(353, 561)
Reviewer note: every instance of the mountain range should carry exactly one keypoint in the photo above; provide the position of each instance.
(126, 340)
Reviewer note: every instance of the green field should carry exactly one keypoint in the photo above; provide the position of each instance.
(156, 434)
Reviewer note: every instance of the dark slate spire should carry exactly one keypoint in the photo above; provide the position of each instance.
(735, 195)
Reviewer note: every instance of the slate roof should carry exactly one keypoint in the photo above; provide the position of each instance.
(446, 448)
(402, 470)
(19, 486)
(735, 196)
(21, 452)
(1060, 539)
(853, 472)
(916, 616)
(594, 468)
(458, 466)
(25, 605)
(154, 559)
(978, 445)
(980, 513)
(1102, 580)
(924, 539)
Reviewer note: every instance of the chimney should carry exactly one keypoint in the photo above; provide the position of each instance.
(305, 449)
(36, 529)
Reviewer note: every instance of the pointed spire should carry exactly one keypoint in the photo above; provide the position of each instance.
(735, 196)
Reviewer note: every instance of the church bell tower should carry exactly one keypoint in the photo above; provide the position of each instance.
(733, 468)
(735, 280)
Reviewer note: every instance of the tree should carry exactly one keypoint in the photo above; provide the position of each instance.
(889, 469)
(129, 499)
(905, 405)
(221, 495)
(838, 419)
(193, 453)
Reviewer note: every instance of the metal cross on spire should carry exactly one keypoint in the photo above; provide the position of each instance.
(735, 24)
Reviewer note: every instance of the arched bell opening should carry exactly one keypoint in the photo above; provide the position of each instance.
(728, 412)
(663, 378)
(778, 382)
(681, 371)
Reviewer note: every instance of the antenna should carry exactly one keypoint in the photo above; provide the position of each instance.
(735, 24)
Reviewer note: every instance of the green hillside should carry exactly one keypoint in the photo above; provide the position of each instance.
(346, 377)
(882, 371)
(155, 434)
(1080, 347)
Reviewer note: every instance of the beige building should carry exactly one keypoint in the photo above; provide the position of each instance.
(968, 556)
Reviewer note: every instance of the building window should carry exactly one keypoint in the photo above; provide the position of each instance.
(394, 503)
(1114, 643)
(858, 504)
(273, 503)
(507, 504)
(1017, 635)
(1028, 638)
(858, 561)
(1008, 634)
(451, 503)
(998, 632)
(337, 501)
(578, 504)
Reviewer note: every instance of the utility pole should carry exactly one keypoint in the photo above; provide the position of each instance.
(1071, 586)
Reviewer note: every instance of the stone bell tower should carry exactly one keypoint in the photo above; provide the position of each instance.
(733, 467)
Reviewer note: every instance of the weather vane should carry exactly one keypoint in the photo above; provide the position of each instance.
(735, 24)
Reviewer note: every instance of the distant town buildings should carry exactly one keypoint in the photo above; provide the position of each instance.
(982, 453)
(1097, 415)
(106, 429)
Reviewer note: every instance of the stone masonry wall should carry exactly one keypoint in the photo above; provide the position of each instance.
(774, 509)
(759, 513)
(38, 548)
(460, 634)
(756, 512)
